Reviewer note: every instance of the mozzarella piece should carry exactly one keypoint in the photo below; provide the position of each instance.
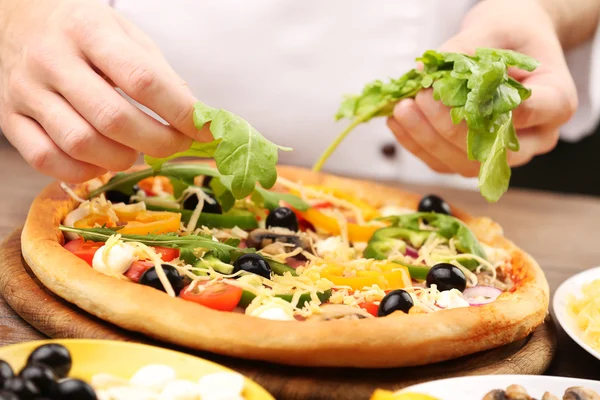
(154, 377)
(221, 386)
(180, 390)
(79, 213)
(451, 299)
(118, 260)
(273, 313)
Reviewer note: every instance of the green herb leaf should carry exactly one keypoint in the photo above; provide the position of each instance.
(478, 90)
(197, 149)
(222, 192)
(270, 200)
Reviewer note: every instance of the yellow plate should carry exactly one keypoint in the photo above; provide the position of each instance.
(123, 359)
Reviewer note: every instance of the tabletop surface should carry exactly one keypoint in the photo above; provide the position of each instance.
(559, 231)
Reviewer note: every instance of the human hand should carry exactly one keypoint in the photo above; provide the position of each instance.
(59, 63)
(424, 127)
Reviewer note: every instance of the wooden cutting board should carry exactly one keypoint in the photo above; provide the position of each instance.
(59, 319)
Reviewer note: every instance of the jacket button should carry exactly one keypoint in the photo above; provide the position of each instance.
(389, 150)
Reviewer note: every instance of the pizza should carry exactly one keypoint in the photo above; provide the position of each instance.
(319, 270)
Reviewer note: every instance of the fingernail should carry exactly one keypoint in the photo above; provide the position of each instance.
(406, 115)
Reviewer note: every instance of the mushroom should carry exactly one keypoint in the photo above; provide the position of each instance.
(580, 393)
(340, 311)
(549, 396)
(261, 238)
(496, 394)
(517, 392)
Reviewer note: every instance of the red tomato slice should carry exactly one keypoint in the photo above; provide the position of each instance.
(137, 269)
(84, 250)
(166, 253)
(216, 295)
(370, 308)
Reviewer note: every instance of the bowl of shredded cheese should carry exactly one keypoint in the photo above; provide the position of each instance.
(577, 308)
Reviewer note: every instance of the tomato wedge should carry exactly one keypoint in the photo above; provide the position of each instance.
(216, 295)
(371, 308)
(166, 253)
(84, 250)
(137, 269)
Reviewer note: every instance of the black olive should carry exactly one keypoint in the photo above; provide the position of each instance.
(433, 203)
(6, 395)
(150, 278)
(446, 277)
(206, 181)
(41, 376)
(191, 202)
(114, 196)
(23, 388)
(396, 300)
(253, 263)
(75, 389)
(53, 355)
(282, 217)
(6, 372)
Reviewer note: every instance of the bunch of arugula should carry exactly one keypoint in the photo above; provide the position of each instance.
(477, 88)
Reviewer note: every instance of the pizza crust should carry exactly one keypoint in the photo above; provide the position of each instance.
(393, 341)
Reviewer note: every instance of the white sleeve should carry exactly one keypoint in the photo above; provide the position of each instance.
(584, 64)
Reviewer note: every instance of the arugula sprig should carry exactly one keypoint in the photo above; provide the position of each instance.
(187, 245)
(477, 88)
(239, 150)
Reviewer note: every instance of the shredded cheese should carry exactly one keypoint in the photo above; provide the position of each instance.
(585, 311)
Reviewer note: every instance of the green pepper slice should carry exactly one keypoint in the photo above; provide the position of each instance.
(243, 219)
(247, 298)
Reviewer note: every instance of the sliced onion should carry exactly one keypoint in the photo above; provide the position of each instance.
(480, 295)
(410, 252)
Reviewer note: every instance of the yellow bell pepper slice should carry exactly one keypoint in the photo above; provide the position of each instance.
(93, 221)
(152, 222)
(392, 277)
(369, 212)
(356, 233)
(381, 394)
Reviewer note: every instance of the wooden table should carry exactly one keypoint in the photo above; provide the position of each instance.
(560, 231)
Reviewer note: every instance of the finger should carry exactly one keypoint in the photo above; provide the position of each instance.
(409, 144)
(415, 124)
(28, 137)
(533, 142)
(75, 136)
(113, 116)
(549, 104)
(139, 75)
(438, 115)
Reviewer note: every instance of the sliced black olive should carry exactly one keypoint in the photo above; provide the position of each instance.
(6, 395)
(41, 376)
(55, 356)
(206, 181)
(433, 203)
(191, 202)
(282, 217)
(150, 278)
(396, 300)
(75, 389)
(114, 196)
(253, 263)
(23, 388)
(446, 277)
(6, 372)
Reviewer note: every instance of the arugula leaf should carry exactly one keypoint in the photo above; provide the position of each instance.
(197, 149)
(222, 192)
(239, 150)
(478, 90)
(270, 200)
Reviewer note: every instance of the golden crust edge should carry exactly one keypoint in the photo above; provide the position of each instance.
(394, 341)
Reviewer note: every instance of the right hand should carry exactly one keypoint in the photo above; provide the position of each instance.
(59, 64)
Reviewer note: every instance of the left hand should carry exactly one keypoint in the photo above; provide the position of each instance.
(423, 125)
